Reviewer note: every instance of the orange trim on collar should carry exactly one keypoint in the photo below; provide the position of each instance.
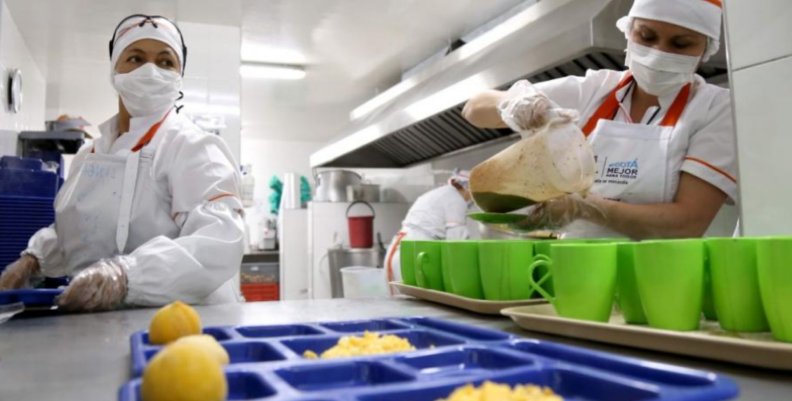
(223, 195)
(608, 108)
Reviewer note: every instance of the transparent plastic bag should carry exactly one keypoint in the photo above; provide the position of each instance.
(551, 160)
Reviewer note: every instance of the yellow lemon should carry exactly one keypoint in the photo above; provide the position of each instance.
(184, 372)
(208, 344)
(173, 321)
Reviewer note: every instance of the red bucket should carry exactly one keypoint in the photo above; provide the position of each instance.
(361, 228)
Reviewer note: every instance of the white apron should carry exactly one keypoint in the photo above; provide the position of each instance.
(96, 205)
(633, 163)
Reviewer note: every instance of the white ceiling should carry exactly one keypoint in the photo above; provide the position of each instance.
(353, 49)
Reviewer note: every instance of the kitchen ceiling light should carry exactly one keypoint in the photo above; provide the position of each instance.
(271, 71)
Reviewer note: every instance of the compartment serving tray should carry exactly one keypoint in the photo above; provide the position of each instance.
(266, 364)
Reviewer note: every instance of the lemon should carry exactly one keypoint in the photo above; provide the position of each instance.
(173, 321)
(184, 371)
(208, 344)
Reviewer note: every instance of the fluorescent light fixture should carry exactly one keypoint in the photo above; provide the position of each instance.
(270, 54)
(271, 71)
(447, 97)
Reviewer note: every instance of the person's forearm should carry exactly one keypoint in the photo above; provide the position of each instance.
(660, 220)
(482, 110)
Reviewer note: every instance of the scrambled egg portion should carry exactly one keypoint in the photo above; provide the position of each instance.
(368, 344)
(490, 391)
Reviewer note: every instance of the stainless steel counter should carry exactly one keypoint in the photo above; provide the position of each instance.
(86, 357)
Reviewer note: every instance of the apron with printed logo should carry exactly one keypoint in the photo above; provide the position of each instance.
(93, 209)
(632, 160)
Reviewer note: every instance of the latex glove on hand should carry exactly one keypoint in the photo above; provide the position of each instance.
(18, 274)
(559, 212)
(101, 286)
(525, 109)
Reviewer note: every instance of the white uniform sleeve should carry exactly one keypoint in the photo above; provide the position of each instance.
(711, 153)
(44, 243)
(208, 252)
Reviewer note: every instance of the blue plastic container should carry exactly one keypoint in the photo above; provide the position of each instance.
(30, 297)
(267, 364)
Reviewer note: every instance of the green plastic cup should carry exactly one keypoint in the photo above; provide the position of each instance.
(670, 277)
(407, 260)
(504, 269)
(774, 268)
(628, 296)
(735, 284)
(584, 279)
(460, 268)
(428, 265)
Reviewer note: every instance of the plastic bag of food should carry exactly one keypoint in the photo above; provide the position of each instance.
(552, 159)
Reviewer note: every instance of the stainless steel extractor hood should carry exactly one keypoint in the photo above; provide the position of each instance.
(421, 117)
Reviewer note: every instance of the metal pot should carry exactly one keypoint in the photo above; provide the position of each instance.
(363, 192)
(331, 185)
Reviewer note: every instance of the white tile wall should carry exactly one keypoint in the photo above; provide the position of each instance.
(758, 31)
(15, 54)
(764, 141)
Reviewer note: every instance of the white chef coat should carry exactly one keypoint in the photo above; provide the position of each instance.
(436, 215)
(185, 237)
(702, 142)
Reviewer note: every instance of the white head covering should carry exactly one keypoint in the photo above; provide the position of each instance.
(131, 31)
(703, 16)
(461, 177)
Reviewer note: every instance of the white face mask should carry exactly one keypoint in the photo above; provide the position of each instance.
(657, 72)
(148, 89)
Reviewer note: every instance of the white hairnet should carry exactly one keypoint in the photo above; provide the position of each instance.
(703, 16)
(461, 177)
(131, 31)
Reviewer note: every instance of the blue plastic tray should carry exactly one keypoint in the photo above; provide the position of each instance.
(30, 297)
(266, 364)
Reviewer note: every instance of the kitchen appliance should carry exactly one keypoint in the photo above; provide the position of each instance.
(420, 117)
(340, 258)
(331, 185)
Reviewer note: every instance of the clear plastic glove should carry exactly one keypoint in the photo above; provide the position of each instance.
(559, 212)
(18, 274)
(101, 286)
(524, 109)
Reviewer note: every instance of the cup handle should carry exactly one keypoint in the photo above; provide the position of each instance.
(537, 285)
(420, 278)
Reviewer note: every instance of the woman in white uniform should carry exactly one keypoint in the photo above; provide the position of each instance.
(150, 212)
(436, 215)
(663, 138)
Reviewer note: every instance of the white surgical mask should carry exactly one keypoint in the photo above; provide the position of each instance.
(148, 89)
(657, 72)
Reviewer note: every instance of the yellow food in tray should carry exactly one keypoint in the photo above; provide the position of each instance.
(490, 391)
(367, 344)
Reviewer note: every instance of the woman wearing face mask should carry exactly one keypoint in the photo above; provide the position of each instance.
(663, 138)
(150, 212)
(440, 214)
